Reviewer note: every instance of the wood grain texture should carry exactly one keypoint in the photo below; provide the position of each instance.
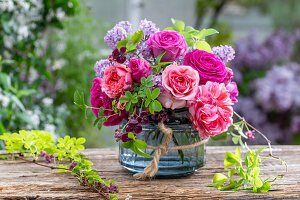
(21, 180)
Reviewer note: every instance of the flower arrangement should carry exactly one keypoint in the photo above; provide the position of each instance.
(152, 71)
(151, 74)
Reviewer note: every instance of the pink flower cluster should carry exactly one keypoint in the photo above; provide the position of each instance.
(186, 77)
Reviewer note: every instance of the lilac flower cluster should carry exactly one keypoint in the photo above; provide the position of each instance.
(117, 33)
(225, 53)
(285, 96)
(252, 54)
(157, 81)
(101, 65)
(126, 25)
(148, 27)
(143, 49)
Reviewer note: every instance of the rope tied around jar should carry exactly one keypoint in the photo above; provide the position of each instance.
(163, 148)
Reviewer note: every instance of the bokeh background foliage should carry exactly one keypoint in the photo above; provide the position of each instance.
(49, 49)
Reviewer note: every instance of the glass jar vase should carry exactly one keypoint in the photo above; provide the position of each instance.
(174, 162)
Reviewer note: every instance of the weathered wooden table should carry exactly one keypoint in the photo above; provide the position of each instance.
(21, 180)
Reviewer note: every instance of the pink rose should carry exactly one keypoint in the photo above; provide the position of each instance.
(211, 110)
(116, 80)
(181, 81)
(100, 99)
(209, 67)
(233, 91)
(139, 68)
(168, 101)
(170, 41)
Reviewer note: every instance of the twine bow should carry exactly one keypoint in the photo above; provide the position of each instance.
(163, 148)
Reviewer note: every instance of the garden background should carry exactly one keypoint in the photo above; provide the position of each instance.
(49, 49)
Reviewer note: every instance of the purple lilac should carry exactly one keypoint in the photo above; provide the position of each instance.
(144, 50)
(157, 81)
(114, 35)
(252, 54)
(286, 95)
(225, 53)
(295, 124)
(148, 27)
(126, 25)
(101, 65)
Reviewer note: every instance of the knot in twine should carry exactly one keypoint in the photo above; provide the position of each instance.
(163, 148)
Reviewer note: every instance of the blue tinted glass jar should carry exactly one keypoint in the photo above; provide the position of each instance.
(174, 162)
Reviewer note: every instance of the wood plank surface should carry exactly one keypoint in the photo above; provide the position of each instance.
(21, 180)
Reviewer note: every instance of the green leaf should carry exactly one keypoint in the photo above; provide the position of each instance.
(230, 160)
(206, 32)
(137, 37)
(202, 45)
(128, 106)
(189, 28)
(155, 93)
(257, 182)
(188, 38)
(17, 102)
(79, 99)
(238, 153)
(127, 145)
(218, 180)
(128, 94)
(141, 144)
(121, 44)
(219, 177)
(139, 152)
(231, 172)
(156, 106)
(80, 140)
(265, 187)
(158, 58)
(147, 102)
(170, 29)
(124, 99)
(100, 123)
(178, 24)
(131, 49)
(235, 139)
(148, 93)
(5, 81)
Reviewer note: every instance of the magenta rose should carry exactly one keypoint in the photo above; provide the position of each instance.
(229, 76)
(116, 80)
(209, 67)
(211, 111)
(139, 68)
(100, 99)
(233, 91)
(170, 41)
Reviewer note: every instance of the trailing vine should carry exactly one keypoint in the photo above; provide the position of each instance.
(34, 146)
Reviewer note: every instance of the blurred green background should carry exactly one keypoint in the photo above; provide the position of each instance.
(49, 49)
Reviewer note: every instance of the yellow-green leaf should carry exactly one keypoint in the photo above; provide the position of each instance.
(202, 45)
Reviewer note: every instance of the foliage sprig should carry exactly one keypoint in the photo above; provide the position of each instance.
(31, 146)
